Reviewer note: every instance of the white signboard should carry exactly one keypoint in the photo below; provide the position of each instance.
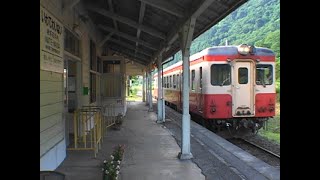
(51, 42)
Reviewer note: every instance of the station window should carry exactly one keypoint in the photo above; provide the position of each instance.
(193, 75)
(220, 74)
(92, 87)
(93, 56)
(243, 75)
(111, 67)
(99, 66)
(71, 43)
(264, 74)
(93, 67)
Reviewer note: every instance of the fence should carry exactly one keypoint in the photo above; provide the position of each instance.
(90, 126)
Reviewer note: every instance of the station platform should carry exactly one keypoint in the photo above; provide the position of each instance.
(151, 152)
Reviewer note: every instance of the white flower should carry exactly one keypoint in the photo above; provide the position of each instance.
(116, 177)
(118, 167)
(107, 172)
(119, 162)
(111, 162)
(105, 161)
(112, 157)
(117, 172)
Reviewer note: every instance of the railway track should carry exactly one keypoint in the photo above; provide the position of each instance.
(256, 150)
(262, 148)
(244, 143)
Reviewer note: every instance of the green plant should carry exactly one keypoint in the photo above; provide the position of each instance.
(118, 152)
(111, 167)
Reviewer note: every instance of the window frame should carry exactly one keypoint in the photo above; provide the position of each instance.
(222, 81)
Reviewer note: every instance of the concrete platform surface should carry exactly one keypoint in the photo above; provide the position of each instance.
(151, 152)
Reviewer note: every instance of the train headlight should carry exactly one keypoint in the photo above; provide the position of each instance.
(245, 49)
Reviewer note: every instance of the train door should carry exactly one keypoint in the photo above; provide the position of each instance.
(243, 95)
(200, 105)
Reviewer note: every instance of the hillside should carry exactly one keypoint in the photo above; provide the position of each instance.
(257, 22)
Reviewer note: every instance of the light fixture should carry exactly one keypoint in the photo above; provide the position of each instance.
(243, 49)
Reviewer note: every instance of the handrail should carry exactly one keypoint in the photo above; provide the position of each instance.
(90, 126)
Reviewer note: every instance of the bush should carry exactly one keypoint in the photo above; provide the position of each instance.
(111, 167)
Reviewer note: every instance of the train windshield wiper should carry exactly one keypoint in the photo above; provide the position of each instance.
(224, 81)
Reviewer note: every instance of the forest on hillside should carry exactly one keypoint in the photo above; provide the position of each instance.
(257, 22)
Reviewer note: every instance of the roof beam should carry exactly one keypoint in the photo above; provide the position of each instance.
(165, 6)
(173, 35)
(130, 54)
(136, 59)
(202, 7)
(71, 4)
(131, 38)
(129, 46)
(111, 9)
(141, 15)
(101, 43)
(127, 21)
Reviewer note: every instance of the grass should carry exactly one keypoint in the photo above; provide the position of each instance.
(133, 94)
(134, 98)
(272, 129)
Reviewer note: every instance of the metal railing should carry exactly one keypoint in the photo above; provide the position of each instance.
(90, 126)
(109, 117)
(87, 129)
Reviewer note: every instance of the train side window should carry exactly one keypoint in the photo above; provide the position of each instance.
(264, 74)
(200, 76)
(170, 82)
(178, 81)
(243, 75)
(163, 82)
(193, 75)
(174, 81)
(167, 82)
(220, 74)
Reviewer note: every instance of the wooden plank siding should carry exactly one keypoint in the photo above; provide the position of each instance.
(51, 107)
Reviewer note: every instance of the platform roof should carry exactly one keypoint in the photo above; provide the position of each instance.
(140, 29)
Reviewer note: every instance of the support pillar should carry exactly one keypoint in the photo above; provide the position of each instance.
(147, 87)
(185, 36)
(160, 118)
(144, 87)
(150, 90)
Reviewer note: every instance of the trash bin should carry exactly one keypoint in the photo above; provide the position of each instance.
(51, 175)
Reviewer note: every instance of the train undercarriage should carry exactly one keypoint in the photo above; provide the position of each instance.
(233, 126)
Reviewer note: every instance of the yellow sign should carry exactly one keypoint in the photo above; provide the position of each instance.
(51, 42)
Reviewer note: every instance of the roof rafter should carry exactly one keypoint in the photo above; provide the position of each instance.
(129, 46)
(130, 56)
(131, 38)
(141, 15)
(111, 9)
(174, 33)
(101, 43)
(127, 21)
(165, 6)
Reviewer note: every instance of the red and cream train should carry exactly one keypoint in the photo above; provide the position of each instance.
(231, 86)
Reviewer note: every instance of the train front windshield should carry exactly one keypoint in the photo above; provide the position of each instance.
(264, 74)
(220, 74)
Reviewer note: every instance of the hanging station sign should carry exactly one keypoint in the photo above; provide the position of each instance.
(51, 42)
